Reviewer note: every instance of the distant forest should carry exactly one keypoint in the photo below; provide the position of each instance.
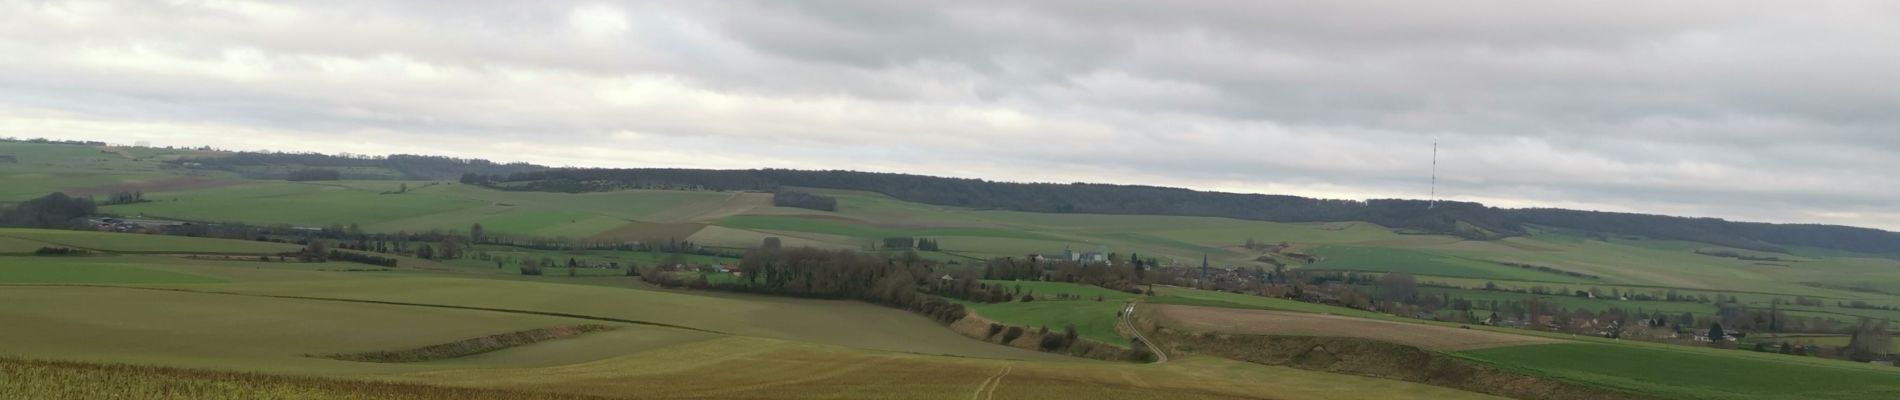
(1464, 219)
(408, 165)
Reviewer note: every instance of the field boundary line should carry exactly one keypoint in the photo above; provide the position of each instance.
(394, 303)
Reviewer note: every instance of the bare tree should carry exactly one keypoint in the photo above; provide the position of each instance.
(1398, 286)
(1871, 341)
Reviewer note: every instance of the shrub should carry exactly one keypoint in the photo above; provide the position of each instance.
(361, 258)
(58, 251)
(1011, 334)
(467, 347)
(1052, 343)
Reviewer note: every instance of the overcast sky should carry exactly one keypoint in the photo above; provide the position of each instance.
(1759, 110)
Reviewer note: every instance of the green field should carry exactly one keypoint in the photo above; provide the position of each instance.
(138, 243)
(46, 168)
(1093, 319)
(297, 203)
(1685, 375)
(86, 270)
(12, 245)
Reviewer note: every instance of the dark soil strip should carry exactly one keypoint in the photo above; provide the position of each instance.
(469, 347)
(1384, 360)
(38, 379)
(397, 303)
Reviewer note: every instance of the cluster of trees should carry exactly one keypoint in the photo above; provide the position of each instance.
(794, 198)
(448, 249)
(1862, 304)
(11, 139)
(319, 250)
(1735, 255)
(1870, 341)
(1262, 245)
(1117, 275)
(361, 258)
(313, 174)
(56, 210)
(58, 251)
(1549, 269)
(904, 282)
(417, 167)
(908, 243)
(126, 197)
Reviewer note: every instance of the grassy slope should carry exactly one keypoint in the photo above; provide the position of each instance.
(299, 203)
(87, 270)
(13, 245)
(1669, 370)
(545, 214)
(843, 323)
(426, 206)
(1684, 375)
(34, 379)
(762, 368)
(209, 330)
(1092, 319)
(45, 168)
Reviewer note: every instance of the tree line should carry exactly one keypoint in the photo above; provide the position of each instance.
(794, 198)
(904, 243)
(903, 282)
(56, 210)
(409, 166)
(313, 174)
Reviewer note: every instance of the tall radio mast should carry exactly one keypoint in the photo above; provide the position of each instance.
(1434, 197)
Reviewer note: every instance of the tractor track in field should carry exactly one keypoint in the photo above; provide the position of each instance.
(1128, 315)
(991, 383)
(393, 303)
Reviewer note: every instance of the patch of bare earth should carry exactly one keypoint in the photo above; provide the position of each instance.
(639, 230)
(709, 211)
(173, 184)
(1280, 323)
(469, 347)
